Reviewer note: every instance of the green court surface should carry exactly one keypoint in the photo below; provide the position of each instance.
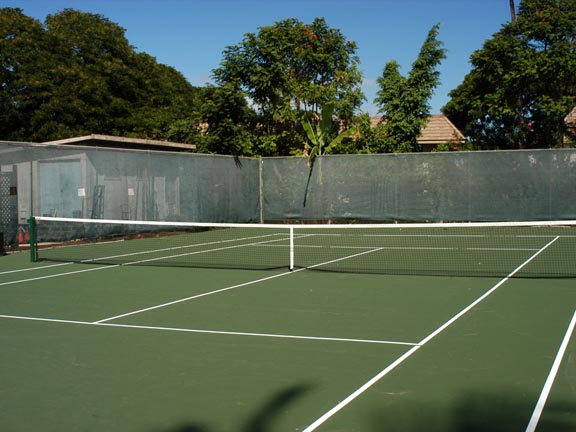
(91, 347)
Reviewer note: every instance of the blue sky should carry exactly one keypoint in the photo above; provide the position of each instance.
(190, 35)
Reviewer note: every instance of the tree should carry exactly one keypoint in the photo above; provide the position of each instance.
(512, 12)
(77, 74)
(227, 119)
(368, 138)
(321, 139)
(163, 96)
(288, 68)
(522, 82)
(85, 80)
(23, 44)
(218, 125)
(404, 101)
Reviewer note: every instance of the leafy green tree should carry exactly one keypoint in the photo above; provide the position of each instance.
(404, 101)
(78, 74)
(228, 120)
(522, 82)
(321, 137)
(114, 89)
(162, 97)
(23, 44)
(219, 125)
(369, 138)
(292, 67)
(90, 85)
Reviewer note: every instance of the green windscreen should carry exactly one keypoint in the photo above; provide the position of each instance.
(112, 184)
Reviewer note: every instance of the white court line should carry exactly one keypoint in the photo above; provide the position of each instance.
(218, 332)
(231, 287)
(197, 245)
(263, 244)
(211, 250)
(330, 413)
(173, 248)
(551, 377)
(35, 268)
(26, 318)
(59, 274)
(195, 297)
(394, 227)
(408, 248)
(129, 263)
(187, 298)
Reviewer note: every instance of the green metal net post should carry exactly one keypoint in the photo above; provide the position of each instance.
(32, 231)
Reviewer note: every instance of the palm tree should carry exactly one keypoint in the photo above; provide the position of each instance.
(319, 142)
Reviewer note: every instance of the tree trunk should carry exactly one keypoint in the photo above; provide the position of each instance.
(513, 12)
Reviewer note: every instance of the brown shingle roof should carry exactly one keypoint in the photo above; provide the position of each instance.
(570, 119)
(439, 129)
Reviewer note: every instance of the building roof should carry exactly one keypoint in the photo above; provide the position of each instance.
(123, 142)
(570, 119)
(439, 129)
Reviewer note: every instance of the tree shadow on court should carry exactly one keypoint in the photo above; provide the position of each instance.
(189, 428)
(262, 420)
(499, 411)
(508, 411)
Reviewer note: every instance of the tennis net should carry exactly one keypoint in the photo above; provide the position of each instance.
(516, 249)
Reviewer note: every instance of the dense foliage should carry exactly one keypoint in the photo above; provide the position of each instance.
(523, 80)
(77, 74)
(290, 68)
(404, 101)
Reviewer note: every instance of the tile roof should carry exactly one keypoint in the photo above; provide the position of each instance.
(570, 119)
(439, 129)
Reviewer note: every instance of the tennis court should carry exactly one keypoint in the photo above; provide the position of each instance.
(404, 331)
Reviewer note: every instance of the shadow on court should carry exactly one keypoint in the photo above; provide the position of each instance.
(263, 420)
(503, 411)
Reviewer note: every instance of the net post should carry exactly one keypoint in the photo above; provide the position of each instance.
(32, 232)
(261, 188)
(291, 248)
